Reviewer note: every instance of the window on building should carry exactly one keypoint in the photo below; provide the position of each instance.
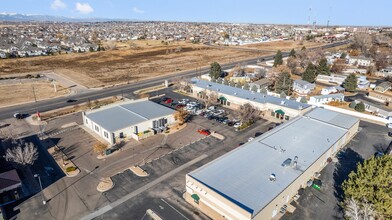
(105, 134)
(86, 121)
(96, 128)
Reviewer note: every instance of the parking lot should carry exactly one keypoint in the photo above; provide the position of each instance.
(324, 203)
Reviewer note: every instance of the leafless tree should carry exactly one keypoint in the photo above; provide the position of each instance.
(208, 98)
(20, 152)
(362, 41)
(352, 210)
(248, 112)
(357, 210)
(111, 45)
(293, 64)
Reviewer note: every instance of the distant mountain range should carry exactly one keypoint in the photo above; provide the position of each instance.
(4, 16)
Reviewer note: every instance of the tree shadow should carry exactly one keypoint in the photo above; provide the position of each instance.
(347, 162)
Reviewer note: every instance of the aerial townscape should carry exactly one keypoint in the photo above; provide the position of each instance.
(195, 110)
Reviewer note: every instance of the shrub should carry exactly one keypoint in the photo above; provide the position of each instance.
(352, 104)
(70, 169)
(360, 107)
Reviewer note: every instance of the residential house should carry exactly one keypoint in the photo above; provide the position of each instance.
(376, 109)
(333, 78)
(324, 99)
(381, 97)
(383, 87)
(363, 83)
(360, 61)
(332, 89)
(303, 87)
(261, 83)
(384, 72)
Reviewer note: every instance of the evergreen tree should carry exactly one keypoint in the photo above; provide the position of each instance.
(360, 107)
(283, 95)
(371, 183)
(303, 100)
(215, 70)
(283, 83)
(350, 83)
(323, 67)
(254, 88)
(292, 53)
(310, 73)
(278, 59)
(303, 48)
(91, 49)
(225, 82)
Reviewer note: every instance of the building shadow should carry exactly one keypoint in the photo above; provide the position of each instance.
(347, 162)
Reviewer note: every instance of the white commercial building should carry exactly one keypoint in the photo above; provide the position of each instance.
(260, 177)
(232, 97)
(131, 119)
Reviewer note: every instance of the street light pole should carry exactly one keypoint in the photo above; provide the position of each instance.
(40, 184)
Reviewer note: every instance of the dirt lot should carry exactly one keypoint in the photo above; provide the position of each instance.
(128, 62)
(18, 93)
(286, 45)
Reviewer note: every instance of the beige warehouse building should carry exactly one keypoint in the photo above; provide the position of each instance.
(255, 180)
(232, 97)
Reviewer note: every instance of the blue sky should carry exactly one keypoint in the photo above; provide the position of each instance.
(349, 12)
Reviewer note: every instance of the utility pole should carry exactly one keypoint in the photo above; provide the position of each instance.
(35, 98)
(40, 184)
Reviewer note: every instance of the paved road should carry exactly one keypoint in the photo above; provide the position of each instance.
(51, 104)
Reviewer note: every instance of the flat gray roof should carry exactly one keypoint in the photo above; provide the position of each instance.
(333, 118)
(246, 94)
(335, 95)
(242, 175)
(119, 116)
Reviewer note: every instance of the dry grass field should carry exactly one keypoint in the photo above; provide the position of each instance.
(127, 63)
(135, 60)
(19, 93)
(286, 45)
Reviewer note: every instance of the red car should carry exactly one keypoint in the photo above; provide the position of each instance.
(168, 101)
(204, 132)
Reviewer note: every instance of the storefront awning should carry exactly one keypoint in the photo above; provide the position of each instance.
(222, 98)
(195, 197)
(280, 112)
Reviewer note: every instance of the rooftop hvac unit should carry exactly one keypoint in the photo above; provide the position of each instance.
(272, 177)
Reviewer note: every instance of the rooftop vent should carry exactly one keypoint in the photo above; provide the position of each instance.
(300, 107)
(282, 102)
(235, 93)
(286, 163)
(295, 162)
(272, 177)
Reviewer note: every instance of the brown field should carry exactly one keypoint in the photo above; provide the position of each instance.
(134, 60)
(19, 93)
(286, 45)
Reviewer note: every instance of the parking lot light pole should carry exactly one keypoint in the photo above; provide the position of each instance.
(40, 184)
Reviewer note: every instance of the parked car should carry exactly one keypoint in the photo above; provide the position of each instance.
(168, 101)
(237, 125)
(204, 132)
(251, 139)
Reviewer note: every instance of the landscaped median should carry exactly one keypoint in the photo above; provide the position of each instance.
(106, 184)
(138, 171)
(68, 167)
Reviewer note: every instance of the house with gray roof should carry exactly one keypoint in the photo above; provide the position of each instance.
(135, 119)
(303, 87)
(259, 178)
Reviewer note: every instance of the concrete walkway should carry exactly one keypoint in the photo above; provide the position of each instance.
(67, 83)
(142, 189)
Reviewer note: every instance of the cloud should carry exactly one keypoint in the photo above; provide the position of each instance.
(84, 8)
(58, 4)
(137, 10)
